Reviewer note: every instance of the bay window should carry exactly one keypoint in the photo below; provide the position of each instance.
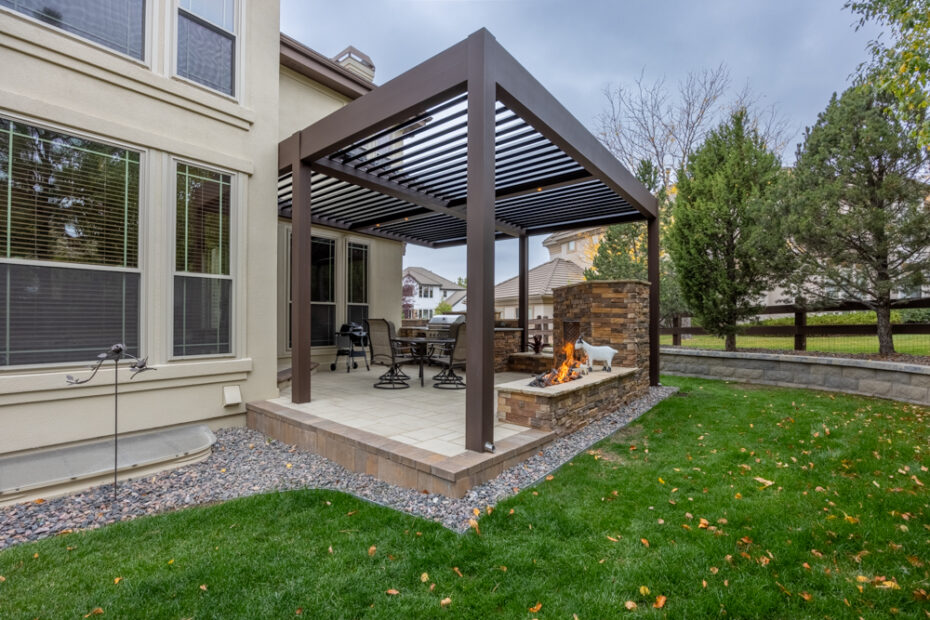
(203, 280)
(69, 238)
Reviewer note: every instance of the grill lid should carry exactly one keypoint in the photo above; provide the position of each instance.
(446, 320)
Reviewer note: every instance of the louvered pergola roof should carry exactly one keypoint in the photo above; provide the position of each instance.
(394, 163)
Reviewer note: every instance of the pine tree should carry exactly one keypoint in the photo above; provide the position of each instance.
(723, 238)
(857, 213)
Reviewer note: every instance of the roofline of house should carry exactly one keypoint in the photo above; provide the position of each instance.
(314, 65)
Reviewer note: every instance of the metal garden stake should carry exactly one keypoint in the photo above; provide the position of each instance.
(116, 353)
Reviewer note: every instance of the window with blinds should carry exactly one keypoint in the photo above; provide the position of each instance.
(202, 281)
(69, 237)
(207, 43)
(322, 292)
(356, 283)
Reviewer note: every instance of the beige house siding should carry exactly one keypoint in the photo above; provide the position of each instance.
(63, 82)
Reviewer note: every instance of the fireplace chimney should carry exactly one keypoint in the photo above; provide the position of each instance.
(355, 61)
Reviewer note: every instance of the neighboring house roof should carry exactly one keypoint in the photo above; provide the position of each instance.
(425, 276)
(455, 298)
(542, 279)
(569, 235)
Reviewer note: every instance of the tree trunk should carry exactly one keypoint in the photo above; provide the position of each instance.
(730, 342)
(885, 341)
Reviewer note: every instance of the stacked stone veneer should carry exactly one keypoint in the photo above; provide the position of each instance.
(904, 382)
(506, 342)
(608, 312)
(567, 407)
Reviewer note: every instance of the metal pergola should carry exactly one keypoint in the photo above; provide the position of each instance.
(464, 148)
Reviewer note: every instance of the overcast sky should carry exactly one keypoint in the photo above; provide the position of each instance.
(791, 53)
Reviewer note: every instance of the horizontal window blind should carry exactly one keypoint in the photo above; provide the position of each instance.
(117, 24)
(206, 53)
(60, 314)
(65, 198)
(202, 303)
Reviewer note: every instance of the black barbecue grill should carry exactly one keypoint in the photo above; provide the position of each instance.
(351, 340)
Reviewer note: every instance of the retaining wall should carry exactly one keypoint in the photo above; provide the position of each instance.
(905, 382)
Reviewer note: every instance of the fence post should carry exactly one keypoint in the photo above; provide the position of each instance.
(676, 331)
(800, 338)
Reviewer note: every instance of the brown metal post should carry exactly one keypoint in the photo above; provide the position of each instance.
(300, 283)
(676, 331)
(479, 390)
(800, 338)
(523, 295)
(653, 268)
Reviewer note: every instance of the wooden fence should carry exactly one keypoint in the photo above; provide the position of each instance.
(800, 331)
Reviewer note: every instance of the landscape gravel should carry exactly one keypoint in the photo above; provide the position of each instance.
(245, 462)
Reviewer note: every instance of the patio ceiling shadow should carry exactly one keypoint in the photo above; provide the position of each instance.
(394, 163)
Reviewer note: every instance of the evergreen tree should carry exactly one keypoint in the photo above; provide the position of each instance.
(857, 213)
(723, 238)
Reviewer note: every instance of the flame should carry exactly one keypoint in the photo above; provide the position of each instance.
(569, 369)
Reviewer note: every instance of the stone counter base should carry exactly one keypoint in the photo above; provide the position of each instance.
(904, 382)
(567, 407)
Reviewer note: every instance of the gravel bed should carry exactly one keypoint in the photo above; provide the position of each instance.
(245, 462)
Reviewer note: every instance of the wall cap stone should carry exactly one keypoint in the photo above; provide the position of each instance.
(800, 359)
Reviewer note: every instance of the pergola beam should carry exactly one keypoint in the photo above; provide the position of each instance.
(375, 183)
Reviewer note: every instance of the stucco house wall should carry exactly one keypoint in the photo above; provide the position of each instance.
(56, 80)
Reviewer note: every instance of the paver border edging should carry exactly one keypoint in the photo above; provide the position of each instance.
(892, 380)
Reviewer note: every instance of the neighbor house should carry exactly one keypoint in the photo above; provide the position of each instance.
(138, 165)
(426, 290)
(542, 279)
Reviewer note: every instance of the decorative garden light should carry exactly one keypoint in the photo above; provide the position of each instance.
(116, 353)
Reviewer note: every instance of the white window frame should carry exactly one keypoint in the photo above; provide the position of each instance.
(367, 304)
(141, 241)
(238, 36)
(235, 251)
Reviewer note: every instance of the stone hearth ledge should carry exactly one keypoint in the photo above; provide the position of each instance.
(596, 377)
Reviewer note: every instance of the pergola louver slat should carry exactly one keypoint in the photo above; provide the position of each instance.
(464, 148)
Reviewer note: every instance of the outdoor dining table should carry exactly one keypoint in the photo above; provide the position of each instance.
(419, 348)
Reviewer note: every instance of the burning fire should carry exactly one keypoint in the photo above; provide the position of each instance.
(569, 370)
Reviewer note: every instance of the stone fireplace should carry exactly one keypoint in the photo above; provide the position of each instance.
(602, 312)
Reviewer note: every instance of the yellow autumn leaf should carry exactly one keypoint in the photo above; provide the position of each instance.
(476, 512)
(550, 477)
(424, 578)
(116, 580)
(96, 611)
(765, 483)
(474, 524)
(703, 523)
(644, 590)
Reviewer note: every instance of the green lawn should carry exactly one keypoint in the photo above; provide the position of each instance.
(911, 344)
(754, 502)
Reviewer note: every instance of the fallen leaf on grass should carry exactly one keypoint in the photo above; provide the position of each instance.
(330, 549)
(511, 511)
(630, 605)
(703, 583)
(203, 587)
(96, 611)
(445, 602)
(2, 578)
(644, 541)
(746, 540)
(536, 607)
(476, 512)
(765, 483)
(703, 524)
(474, 524)
(611, 539)
(116, 580)
(457, 571)
(549, 477)
(371, 551)
(424, 578)
(299, 611)
(714, 570)
(805, 596)
(660, 601)
(644, 590)
(806, 565)
(392, 592)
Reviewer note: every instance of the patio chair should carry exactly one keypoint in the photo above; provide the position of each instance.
(383, 351)
(448, 379)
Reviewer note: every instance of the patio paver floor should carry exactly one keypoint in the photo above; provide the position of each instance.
(425, 417)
